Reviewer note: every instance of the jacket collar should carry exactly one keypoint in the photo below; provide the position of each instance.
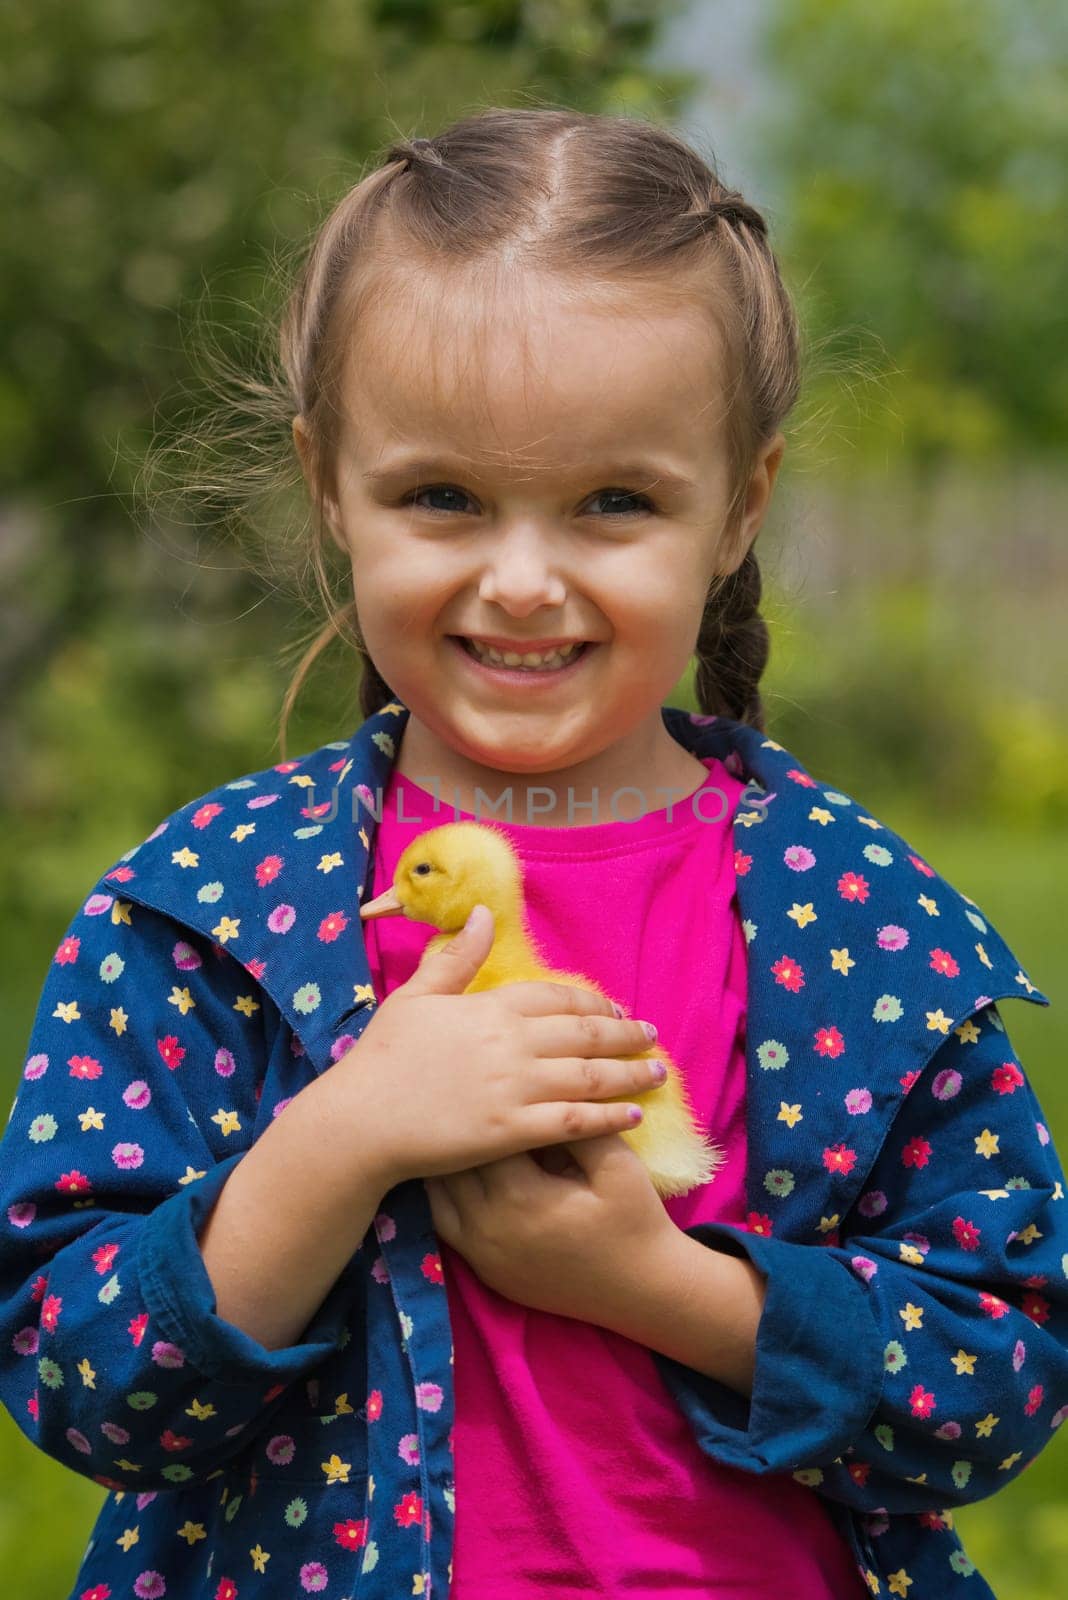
(861, 956)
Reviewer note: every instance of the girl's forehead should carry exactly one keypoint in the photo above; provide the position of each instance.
(539, 365)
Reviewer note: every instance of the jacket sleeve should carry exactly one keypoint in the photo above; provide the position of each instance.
(920, 1358)
(138, 1097)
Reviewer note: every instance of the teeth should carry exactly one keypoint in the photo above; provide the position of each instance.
(533, 659)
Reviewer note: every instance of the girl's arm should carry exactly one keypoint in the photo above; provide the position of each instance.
(919, 1359)
(270, 1280)
(139, 1097)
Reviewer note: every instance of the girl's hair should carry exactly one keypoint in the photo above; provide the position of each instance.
(606, 203)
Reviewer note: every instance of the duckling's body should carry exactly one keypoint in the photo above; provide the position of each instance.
(449, 870)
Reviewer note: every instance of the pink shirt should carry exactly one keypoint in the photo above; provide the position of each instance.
(576, 1473)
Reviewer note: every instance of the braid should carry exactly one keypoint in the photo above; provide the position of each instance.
(375, 692)
(732, 648)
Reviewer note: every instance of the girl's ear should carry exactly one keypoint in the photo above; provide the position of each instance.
(761, 484)
(330, 511)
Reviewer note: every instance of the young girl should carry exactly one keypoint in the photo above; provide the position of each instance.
(287, 1264)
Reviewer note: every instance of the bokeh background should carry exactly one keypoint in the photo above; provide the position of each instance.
(166, 160)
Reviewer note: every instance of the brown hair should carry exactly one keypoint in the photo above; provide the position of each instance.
(612, 201)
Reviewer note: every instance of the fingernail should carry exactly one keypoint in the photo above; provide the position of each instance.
(617, 1009)
(659, 1071)
(650, 1030)
(634, 1114)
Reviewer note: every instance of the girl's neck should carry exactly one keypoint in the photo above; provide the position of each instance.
(625, 781)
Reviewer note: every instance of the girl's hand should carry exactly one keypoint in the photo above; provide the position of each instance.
(574, 1242)
(441, 1080)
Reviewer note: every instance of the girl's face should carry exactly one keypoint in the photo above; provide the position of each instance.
(531, 465)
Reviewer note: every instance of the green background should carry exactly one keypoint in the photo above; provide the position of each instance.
(166, 163)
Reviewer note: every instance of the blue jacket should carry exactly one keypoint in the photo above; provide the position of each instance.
(907, 1205)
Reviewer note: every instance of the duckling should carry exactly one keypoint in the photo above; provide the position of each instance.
(447, 871)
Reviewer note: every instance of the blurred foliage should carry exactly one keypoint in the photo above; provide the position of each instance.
(923, 146)
(888, 716)
(153, 149)
(155, 153)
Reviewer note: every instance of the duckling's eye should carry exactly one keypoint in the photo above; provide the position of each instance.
(422, 869)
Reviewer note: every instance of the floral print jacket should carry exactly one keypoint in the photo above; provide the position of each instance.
(907, 1205)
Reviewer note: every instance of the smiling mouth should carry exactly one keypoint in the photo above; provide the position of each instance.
(533, 661)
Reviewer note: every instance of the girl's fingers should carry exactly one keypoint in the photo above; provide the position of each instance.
(593, 1078)
(540, 997)
(587, 1035)
(560, 1121)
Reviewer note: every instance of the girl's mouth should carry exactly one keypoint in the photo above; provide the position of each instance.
(529, 676)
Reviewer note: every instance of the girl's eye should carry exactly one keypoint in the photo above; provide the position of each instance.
(645, 504)
(436, 488)
(626, 494)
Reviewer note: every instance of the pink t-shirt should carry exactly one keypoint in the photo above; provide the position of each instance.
(576, 1472)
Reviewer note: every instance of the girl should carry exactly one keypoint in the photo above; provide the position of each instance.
(282, 1268)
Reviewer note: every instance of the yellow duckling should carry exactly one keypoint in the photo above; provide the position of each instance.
(449, 870)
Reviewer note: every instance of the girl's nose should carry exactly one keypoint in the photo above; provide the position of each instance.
(519, 572)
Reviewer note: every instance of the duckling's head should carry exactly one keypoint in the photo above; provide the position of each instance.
(447, 871)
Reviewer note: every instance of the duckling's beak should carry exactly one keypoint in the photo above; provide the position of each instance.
(384, 905)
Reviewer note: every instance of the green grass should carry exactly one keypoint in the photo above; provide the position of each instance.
(1019, 1538)
(46, 1513)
